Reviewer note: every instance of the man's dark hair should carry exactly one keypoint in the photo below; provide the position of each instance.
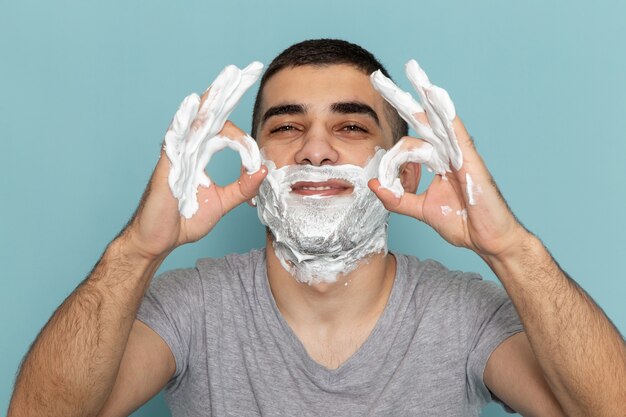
(324, 52)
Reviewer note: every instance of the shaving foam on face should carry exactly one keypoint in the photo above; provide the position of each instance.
(317, 238)
(191, 139)
(438, 106)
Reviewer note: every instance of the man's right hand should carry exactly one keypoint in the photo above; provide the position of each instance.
(75, 361)
(157, 227)
(199, 128)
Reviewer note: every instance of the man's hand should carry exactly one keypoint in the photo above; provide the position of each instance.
(465, 207)
(157, 226)
(581, 354)
(73, 364)
(462, 203)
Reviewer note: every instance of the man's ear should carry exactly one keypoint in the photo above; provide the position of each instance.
(410, 174)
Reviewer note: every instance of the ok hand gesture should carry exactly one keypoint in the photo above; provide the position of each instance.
(181, 204)
(462, 203)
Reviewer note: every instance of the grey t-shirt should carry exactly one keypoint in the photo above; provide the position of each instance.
(237, 356)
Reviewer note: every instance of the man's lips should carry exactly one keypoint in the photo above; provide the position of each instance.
(325, 188)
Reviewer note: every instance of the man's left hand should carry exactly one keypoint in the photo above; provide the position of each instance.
(464, 206)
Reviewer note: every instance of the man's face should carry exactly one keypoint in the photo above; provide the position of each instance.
(326, 115)
(316, 124)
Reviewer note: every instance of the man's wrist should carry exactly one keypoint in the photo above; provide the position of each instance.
(529, 251)
(121, 273)
(126, 250)
(130, 246)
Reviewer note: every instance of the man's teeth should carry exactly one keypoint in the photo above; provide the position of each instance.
(317, 188)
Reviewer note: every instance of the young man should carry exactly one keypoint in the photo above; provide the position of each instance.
(390, 336)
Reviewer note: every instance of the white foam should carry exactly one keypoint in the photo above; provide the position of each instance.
(192, 137)
(318, 238)
(445, 210)
(390, 164)
(472, 189)
(437, 105)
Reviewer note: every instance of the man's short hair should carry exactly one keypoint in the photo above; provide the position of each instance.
(324, 52)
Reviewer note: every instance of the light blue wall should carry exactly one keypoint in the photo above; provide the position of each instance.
(88, 88)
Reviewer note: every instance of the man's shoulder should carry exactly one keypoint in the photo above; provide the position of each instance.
(229, 274)
(431, 269)
(445, 292)
(234, 263)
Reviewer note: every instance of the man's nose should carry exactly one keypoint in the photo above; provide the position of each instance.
(317, 149)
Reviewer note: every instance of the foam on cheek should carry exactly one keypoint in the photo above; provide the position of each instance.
(192, 138)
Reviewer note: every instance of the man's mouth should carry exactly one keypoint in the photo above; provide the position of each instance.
(325, 188)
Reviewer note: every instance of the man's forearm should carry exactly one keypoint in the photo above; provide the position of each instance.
(581, 353)
(72, 365)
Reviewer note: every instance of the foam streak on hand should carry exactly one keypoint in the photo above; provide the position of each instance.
(192, 137)
(438, 132)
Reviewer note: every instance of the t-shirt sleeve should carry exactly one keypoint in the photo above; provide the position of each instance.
(492, 318)
(172, 307)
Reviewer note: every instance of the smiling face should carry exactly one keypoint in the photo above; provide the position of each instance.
(322, 115)
(320, 125)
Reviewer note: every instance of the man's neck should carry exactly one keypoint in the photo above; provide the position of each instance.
(327, 312)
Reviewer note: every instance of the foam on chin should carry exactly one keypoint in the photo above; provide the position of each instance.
(318, 238)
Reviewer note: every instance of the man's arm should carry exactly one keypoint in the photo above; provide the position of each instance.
(581, 354)
(72, 367)
(513, 375)
(148, 364)
(73, 364)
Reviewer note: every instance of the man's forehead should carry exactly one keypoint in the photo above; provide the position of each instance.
(328, 84)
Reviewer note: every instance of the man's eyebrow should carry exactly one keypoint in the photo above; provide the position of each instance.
(283, 109)
(350, 107)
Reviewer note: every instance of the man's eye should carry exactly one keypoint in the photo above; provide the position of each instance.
(283, 128)
(354, 128)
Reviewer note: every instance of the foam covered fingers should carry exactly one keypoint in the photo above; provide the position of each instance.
(244, 144)
(440, 111)
(406, 150)
(174, 142)
(195, 135)
(404, 103)
(224, 94)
